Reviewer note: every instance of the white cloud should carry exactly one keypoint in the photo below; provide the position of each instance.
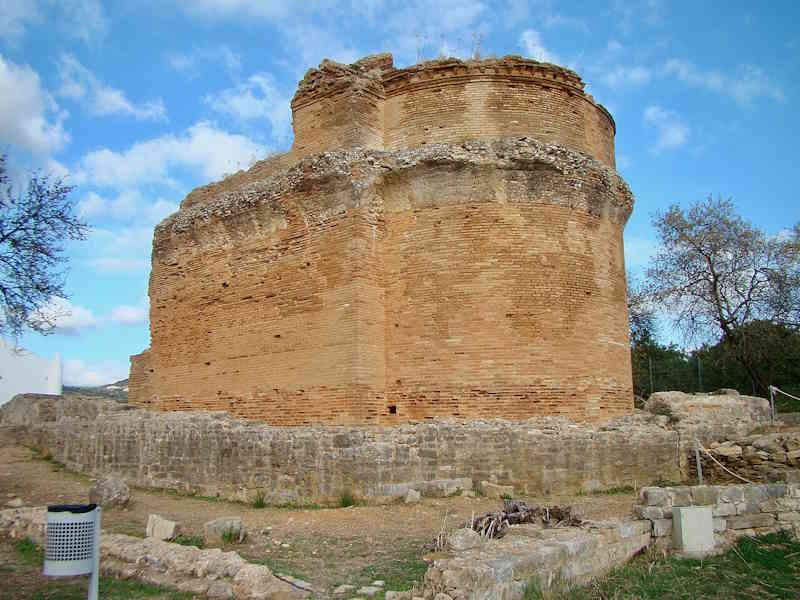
(255, 99)
(671, 129)
(621, 75)
(79, 83)
(129, 315)
(749, 83)
(82, 19)
(129, 205)
(531, 42)
(79, 373)
(112, 264)
(274, 9)
(120, 250)
(29, 118)
(15, 16)
(189, 63)
(204, 149)
(65, 317)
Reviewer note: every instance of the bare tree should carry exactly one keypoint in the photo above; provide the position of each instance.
(35, 224)
(716, 273)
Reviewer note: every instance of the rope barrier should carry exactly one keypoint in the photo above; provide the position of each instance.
(784, 393)
(711, 456)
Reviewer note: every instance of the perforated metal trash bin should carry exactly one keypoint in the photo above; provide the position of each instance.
(72, 542)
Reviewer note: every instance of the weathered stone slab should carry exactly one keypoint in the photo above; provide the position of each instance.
(161, 529)
(750, 521)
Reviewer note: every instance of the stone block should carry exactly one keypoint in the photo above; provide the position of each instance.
(723, 509)
(161, 529)
(704, 495)
(110, 491)
(412, 497)
(369, 591)
(730, 493)
(751, 521)
(720, 524)
(789, 517)
(728, 450)
(230, 528)
(655, 496)
(662, 527)
(693, 529)
(464, 539)
(220, 590)
(652, 512)
(496, 491)
(681, 496)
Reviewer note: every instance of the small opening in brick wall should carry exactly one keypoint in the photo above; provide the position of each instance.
(392, 409)
(208, 364)
(224, 284)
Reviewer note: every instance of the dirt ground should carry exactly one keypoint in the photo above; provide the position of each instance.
(326, 546)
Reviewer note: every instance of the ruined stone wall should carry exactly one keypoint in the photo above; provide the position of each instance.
(212, 454)
(141, 378)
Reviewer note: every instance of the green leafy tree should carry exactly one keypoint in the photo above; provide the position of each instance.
(34, 227)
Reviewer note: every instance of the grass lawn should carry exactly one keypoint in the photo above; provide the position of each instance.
(756, 568)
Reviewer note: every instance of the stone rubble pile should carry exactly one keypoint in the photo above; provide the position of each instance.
(759, 458)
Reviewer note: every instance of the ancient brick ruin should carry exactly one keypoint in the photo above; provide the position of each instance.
(443, 240)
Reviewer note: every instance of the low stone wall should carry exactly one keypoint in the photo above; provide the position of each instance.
(737, 509)
(211, 454)
(208, 573)
(529, 555)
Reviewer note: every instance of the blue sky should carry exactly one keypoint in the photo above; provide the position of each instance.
(140, 102)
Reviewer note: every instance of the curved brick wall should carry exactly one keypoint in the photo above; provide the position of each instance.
(370, 104)
(451, 101)
(484, 279)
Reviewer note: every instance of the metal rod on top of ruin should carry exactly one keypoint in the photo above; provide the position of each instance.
(697, 458)
(772, 403)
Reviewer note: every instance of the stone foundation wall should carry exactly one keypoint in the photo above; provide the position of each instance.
(748, 509)
(211, 454)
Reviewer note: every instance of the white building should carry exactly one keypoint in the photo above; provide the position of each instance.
(22, 372)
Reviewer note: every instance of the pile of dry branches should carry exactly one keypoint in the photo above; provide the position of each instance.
(494, 524)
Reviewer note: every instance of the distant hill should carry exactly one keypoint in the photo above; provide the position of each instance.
(117, 390)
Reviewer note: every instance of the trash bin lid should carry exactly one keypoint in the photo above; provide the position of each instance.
(72, 508)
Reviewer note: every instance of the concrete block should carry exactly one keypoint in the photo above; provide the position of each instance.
(751, 521)
(693, 529)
